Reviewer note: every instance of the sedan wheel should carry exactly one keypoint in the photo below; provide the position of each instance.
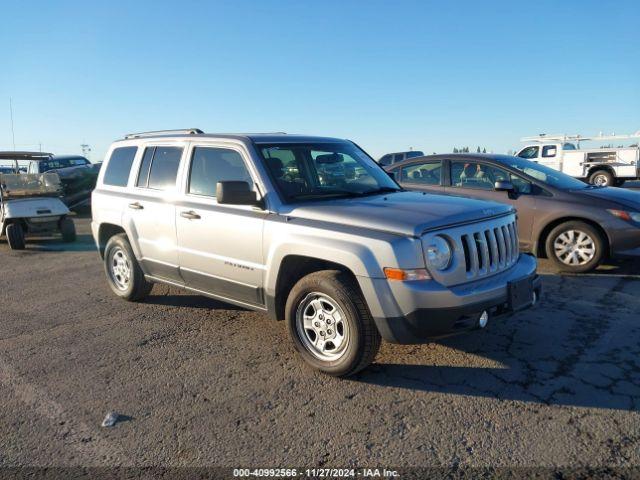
(574, 248)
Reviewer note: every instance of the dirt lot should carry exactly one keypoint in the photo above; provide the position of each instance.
(204, 383)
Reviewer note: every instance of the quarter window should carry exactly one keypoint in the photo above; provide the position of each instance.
(212, 165)
(423, 173)
(386, 160)
(119, 166)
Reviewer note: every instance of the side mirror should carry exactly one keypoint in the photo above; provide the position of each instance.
(503, 186)
(235, 193)
(393, 175)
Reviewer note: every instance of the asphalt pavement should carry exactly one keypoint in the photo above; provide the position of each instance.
(202, 383)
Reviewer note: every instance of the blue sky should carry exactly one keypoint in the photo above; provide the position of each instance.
(388, 75)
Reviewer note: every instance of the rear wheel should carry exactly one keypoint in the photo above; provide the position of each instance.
(68, 230)
(330, 324)
(575, 246)
(15, 236)
(124, 275)
(602, 178)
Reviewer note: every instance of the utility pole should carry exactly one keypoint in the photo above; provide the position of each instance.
(86, 149)
(13, 135)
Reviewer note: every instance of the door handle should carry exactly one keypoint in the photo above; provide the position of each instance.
(191, 215)
(135, 206)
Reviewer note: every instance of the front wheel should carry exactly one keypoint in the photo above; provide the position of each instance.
(15, 236)
(124, 275)
(68, 230)
(575, 247)
(330, 324)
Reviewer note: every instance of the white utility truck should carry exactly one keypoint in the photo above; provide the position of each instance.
(603, 166)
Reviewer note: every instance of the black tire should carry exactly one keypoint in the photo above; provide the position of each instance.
(603, 178)
(137, 287)
(15, 236)
(597, 239)
(68, 230)
(363, 339)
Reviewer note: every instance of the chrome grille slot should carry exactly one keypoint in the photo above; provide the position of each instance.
(480, 250)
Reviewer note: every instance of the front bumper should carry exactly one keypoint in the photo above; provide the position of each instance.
(417, 312)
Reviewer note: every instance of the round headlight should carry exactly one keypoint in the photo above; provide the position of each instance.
(438, 253)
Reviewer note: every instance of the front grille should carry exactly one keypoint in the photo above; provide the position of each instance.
(490, 250)
(480, 249)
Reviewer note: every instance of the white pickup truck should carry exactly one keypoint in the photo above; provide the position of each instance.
(604, 166)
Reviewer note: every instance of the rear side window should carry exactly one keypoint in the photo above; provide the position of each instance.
(119, 166)
(145, 166)
(212, 165)
(425, 173)
(159, 168)
(549, 151)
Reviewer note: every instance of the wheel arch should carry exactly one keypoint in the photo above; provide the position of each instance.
(544, 234)
(292, 268)
(105, 232)
(9, 221)
(597, 168)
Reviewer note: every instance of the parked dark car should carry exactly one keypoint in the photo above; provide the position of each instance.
(574, 224)
(393, 158)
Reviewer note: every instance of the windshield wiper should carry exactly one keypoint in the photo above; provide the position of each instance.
(331, 194)
(381, 190)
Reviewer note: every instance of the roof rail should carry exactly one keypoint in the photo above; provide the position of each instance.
(184, 131)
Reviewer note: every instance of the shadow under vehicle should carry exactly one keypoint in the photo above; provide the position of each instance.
(30, 205)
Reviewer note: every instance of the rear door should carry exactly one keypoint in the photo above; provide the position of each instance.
(474, 179)
(151, 209)
(424, 176)
(220, 246)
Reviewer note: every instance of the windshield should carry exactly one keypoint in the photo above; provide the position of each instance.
(29, 185)
(303, 171)
(545, 174)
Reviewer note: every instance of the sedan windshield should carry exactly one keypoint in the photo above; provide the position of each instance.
(309, 171)
(546, 175)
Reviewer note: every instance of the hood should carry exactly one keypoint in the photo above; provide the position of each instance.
(34, 207)
(621, 196)
(404, 213)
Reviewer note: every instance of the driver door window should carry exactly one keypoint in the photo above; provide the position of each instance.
(530, 153)
(212, 165)
(476, 175)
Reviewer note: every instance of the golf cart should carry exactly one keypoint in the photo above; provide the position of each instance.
(30, 204)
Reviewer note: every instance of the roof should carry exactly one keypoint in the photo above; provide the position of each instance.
(24, 155)
(496, 157)
(36, 156)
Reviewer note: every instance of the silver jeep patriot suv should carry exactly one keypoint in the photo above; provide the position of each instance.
(309, 230)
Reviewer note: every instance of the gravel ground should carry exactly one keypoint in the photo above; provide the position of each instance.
(202, 383)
